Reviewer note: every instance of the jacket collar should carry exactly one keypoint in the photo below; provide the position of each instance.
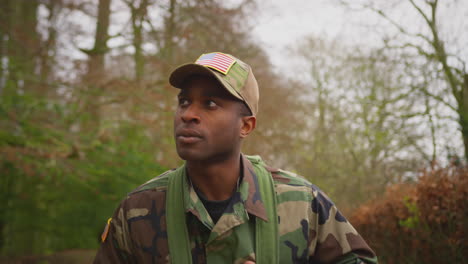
(250, 191)
(248, 195)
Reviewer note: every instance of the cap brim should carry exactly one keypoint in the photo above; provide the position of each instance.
(180, 75)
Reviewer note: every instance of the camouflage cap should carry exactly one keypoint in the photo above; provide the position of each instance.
(234, 75)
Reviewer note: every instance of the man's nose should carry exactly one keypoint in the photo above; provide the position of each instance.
(191, 114)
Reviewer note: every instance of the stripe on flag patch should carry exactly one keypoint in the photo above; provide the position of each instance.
(217, 61)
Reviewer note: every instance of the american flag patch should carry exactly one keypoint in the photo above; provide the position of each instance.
(217, 61)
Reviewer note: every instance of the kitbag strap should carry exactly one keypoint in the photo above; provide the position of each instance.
(266, 240)
(177, 232)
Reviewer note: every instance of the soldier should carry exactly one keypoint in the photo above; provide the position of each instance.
(222, 206)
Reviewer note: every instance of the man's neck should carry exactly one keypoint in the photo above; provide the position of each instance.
(217, 180)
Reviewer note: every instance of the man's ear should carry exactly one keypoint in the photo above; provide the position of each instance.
(248, 125)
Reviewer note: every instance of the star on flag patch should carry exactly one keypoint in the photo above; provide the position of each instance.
(218, 61)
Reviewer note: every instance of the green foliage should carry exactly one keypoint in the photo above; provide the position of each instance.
(58, 193)
(411, 221)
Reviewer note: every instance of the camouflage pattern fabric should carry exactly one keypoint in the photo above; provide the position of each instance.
(311, 229)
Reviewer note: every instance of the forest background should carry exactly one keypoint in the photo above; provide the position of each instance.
(86, 115)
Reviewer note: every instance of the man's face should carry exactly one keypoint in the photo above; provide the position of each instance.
(207, 124)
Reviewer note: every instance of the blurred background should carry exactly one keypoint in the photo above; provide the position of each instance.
(366, 99)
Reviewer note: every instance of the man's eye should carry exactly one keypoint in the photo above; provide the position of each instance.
(211, 103)
(183, 101)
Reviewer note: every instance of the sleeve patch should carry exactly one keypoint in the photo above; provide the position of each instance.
(106, 230)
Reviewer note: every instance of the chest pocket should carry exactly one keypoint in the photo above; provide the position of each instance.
(235, 245)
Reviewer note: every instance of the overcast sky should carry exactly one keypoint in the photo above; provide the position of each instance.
(281, 25)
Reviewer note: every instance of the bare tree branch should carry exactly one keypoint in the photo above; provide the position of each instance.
(396, 24)
(436, 97)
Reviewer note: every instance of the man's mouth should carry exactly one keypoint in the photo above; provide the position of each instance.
(188, 136)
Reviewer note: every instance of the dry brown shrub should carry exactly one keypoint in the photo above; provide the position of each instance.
(422, 222)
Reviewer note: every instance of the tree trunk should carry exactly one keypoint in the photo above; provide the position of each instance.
(3, 52)
(95, 74)
(23, 42)
(47, 57)
(138, 55)
(169, 33)
(96, 55)
(138, 16)
(463, 113)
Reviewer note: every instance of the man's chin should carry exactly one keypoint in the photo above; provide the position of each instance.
(189, 155)
(203, 157)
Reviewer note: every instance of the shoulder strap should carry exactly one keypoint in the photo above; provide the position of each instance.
(177, 232)
(266, 240)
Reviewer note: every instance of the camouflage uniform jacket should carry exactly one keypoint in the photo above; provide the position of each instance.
(311, 229)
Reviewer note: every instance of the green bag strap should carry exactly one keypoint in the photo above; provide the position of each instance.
(177, 232)
(266, 240)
